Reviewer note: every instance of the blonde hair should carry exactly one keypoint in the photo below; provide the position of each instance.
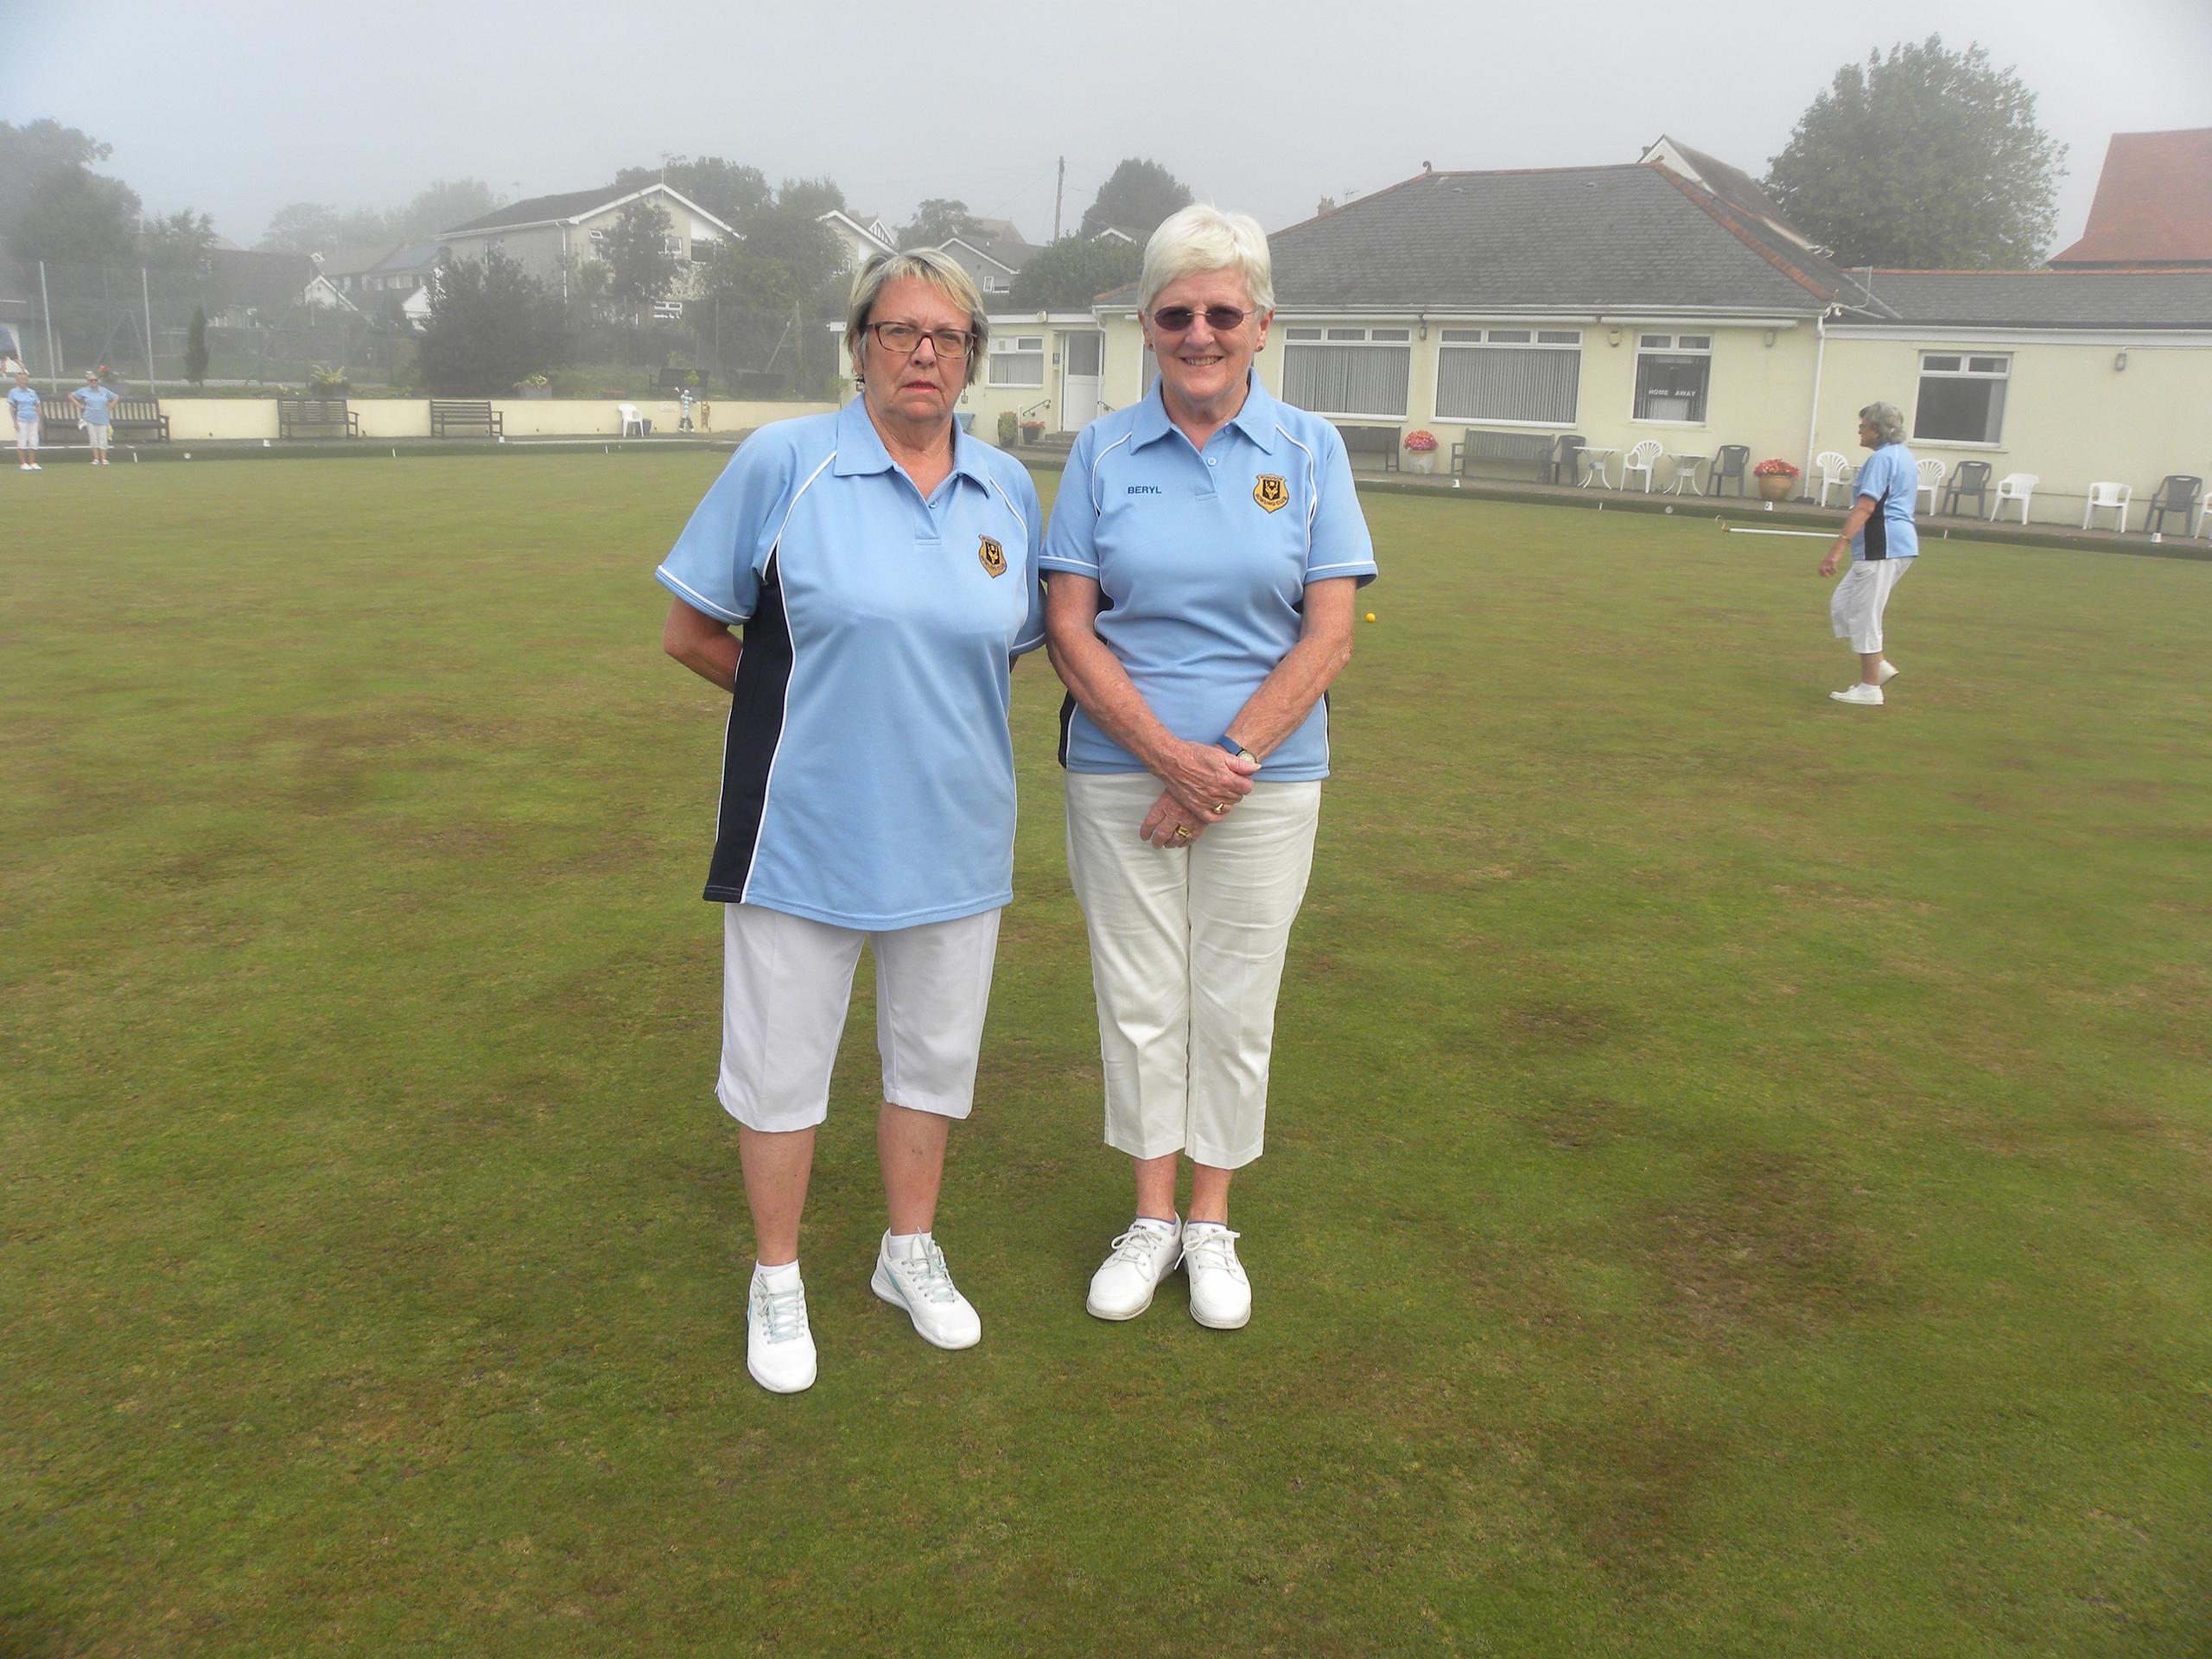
(942, 272)
(1204, 237)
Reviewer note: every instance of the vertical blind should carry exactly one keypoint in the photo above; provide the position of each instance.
(1503, 383)
(1345, 379)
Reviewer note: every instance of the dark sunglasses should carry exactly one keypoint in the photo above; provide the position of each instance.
(1174, 319)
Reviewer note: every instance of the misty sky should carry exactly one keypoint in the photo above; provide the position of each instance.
(237, 109)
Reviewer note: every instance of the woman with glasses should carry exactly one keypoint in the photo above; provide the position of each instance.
(1202, 559)
(882, 568)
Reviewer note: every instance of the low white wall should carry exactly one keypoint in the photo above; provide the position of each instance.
(246, 419)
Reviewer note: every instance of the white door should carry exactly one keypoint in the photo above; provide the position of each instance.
(1083, 357)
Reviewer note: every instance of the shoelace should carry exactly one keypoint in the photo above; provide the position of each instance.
(1138, 1244)
(1214, 1248)
(930, 1276)
(782, 1313)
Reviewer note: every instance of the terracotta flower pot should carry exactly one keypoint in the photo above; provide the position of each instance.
(1776, 487)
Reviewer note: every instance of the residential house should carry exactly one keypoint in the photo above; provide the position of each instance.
(2153, 205)
(551, 236)
(993, 252)
(861, 237)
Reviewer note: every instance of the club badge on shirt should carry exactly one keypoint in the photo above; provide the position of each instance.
(993, 555)
(1270, 492)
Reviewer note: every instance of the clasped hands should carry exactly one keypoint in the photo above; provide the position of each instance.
(1204, 781)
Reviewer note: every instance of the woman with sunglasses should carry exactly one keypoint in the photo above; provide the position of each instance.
(882, 566)
(1201, 561)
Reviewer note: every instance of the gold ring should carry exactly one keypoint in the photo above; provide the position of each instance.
(1223, 806)
(1182, 832)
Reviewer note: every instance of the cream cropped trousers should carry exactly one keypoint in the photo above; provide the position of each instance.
(1187, 954)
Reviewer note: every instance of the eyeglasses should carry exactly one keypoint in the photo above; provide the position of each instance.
(1174, 319)
(952, 344)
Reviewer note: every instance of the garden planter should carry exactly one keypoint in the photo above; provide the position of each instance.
(1776, 487)
(1421, 460)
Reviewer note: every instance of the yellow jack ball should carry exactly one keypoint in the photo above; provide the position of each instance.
(1370, 616)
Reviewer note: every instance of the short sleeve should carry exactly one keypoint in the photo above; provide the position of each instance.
(1878, 475)
(1072, 540)
(717, 562)
(1337, 544)
(1033, 519)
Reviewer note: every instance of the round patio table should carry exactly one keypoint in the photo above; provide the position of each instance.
(1597, 457)
(1686, 468)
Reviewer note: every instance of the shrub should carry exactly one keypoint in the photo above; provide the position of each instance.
(1009, 429)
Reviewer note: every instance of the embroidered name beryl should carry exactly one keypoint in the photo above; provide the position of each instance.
(1144, 489)
(993, 555)
(1270, 492)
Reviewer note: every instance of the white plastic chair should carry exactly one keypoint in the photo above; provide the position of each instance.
(1931, 483)
(630, 418)
(2102, 495)
(2204, 512)
(1835, 472)
(2015, 487)
(1640, 460)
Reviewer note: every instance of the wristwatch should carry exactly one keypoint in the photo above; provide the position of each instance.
(1226, 743)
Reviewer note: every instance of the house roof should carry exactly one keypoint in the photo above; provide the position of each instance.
(1009, 254)
(2153, 205)
(353, 262)
(2043, 299)
(1635, 237)
(573, 204)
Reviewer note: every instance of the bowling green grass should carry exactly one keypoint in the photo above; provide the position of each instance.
(1739, 1181)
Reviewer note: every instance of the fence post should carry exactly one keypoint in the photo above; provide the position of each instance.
(146, 296)
(52, 361)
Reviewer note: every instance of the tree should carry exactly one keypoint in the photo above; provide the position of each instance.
(195, 348)
(182, 245)
(727, 190)
(1926, 159)
(1135, 197)
(31, 152)
(783, 277)
(76, 217)
(444, 203)
(491, 324)
(935, 222)
(302, 227)
(639, 266)
(814, 197)
(1073, 272)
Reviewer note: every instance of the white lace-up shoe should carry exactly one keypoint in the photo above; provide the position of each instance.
(1147, 1253)
(1867, 697)
(1886, 672)
(920, 1284)
(778, 1347)
(1221, 1296)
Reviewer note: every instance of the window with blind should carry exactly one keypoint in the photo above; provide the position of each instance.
(1961, 397)
(1529, 376)
(1017, 360)
(1673, 372)
(1351, 373)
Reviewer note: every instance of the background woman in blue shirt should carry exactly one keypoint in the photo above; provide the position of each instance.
(1203, 556)
(883, 567)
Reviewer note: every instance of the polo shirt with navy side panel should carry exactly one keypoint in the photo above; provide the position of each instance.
(1202, 558)
(1891, 477)
(867, 775)
(93, 404)
(22, 404)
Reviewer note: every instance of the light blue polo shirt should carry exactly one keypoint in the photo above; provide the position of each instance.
(1891, 476)
(1203, 558)
(93, 402)
(868, 774)
(22, 404)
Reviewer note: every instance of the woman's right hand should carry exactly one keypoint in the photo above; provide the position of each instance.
(1205, 778)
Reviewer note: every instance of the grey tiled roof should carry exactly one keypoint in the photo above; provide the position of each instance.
(2045, 299)
(537, 209)
(1617, 238)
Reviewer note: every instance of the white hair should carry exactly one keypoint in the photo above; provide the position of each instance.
(1203, 237)
(1888, 421)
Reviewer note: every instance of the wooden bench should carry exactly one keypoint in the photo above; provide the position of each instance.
(138, 419)
(445, 415)
(1536, 450)
(1372, 441)
(316, 417)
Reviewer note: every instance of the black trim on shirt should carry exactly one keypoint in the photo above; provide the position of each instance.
(756, 725)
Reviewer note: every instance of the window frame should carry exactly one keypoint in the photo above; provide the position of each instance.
(1007, 345)
(1965, 357)
(1393, 338)
(1532, 340)
(1670, 345)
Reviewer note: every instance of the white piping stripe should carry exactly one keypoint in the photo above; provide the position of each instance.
(1312, 486)
(791, 684)
(1348, 565)
(695, 597)
(1098, 460)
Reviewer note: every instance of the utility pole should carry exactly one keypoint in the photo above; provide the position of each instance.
(1057, 188)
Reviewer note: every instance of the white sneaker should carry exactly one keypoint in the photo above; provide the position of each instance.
(920, 1284)
(778, 1347)
(34, 467)
(1147, 1253)
(1869, 697)
(1887, 672)
(1221, 1296)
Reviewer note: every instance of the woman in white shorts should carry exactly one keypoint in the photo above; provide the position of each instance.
(1879, 539)
(22, 404)
(882, 566)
